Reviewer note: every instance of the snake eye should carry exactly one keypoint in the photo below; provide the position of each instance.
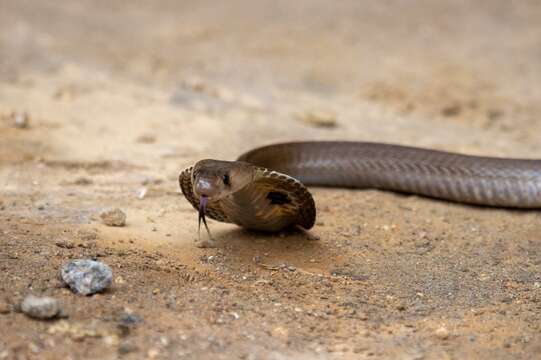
(226, 179)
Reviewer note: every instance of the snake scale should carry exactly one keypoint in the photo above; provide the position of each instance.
(265, 189)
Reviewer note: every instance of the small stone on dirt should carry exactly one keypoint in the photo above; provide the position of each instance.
(141, 193)
(442, 333)
(87, 277)
(127, 321)
(83, 181)
(313, 237)
(113, 217)
(65, 244)
(40, 307)
(126, 347)
(146, 139)
(318, 118)
(280, 332)
(20, 120)
(451, 110)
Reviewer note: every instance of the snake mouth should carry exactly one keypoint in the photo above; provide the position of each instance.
(203, 200)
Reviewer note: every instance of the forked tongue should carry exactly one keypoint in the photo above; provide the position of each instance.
(202, 210)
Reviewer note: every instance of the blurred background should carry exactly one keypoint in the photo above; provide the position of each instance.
(386, 70)
(317, 46)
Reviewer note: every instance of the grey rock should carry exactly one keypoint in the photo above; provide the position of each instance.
(87, 277)
(40, 307)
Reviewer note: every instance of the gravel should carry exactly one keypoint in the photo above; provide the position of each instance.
(40, 307)
(87, 277)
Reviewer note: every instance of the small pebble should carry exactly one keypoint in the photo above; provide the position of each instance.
(318, 118)
(87, 277)
(87, 234)
(65, 244)
(113, 217)
(451, 110)
(146, 139)
(35, 348)
(20, 120)
(129, 319)
(164, 341)
(110, 340)
(153, 353)
(141, 193)
(442, 333)
(40, 307)
(83, 181)
(280, 332)
(126, 347)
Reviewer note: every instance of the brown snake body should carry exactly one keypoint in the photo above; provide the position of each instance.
(256, 193)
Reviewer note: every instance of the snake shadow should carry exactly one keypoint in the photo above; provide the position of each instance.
(294, 241)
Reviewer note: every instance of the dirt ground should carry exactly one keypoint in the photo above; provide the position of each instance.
(122, 95)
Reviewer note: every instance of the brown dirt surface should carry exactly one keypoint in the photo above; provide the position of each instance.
(120, 96)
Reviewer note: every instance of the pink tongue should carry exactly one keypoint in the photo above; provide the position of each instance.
(202, 209)
(203, 204)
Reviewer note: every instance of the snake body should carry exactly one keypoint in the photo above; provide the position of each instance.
(264, 188)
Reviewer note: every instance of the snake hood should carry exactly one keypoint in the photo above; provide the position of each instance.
(247, 195)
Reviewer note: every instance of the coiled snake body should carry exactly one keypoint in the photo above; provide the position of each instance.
(264, 188)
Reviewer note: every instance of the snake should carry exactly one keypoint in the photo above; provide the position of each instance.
(266, 188)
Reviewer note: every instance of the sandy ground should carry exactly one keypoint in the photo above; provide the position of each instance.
(122, 95)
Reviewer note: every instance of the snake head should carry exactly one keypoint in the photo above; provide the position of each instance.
(215, 179)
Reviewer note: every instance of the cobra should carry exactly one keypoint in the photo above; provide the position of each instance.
(266, 188)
